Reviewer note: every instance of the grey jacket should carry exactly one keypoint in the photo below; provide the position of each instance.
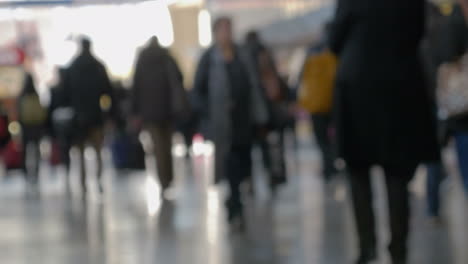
(212, 92)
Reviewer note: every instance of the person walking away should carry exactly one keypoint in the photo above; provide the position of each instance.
(315, 96)
(275, 94)
(383, 113)
(432, 55)
(156, 79)
(85, 84)
(32, 117)
(61, 119)
(456, 47)
(229, 100)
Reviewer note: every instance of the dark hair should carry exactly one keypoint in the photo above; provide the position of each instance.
(252, 37)
(85, 43)
(219, 20)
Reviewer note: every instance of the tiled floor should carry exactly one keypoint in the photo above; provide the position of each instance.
(306, 223)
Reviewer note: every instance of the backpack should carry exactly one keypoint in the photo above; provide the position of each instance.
(316, 91)
(31, 110)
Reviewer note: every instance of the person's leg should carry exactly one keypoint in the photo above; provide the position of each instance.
(25, 142)
(37, 161)
(321, 123)
(399, 210)
(461, 141)
(97, 141)
(237, 169)
(82, 148)
(162, 139)
(361, 192)
(435, 174)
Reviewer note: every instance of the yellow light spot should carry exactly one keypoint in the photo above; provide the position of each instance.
(14, 128)
(105, 102)
(446, 8)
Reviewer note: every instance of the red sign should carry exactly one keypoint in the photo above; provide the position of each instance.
(11, 57)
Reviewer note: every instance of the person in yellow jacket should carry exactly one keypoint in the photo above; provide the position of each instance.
(315, 96)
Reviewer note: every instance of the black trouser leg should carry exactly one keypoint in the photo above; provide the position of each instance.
(237, 169)
(399, 208)
(363, 210)
(321, 123)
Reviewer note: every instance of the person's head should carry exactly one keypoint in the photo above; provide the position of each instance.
(85, 44)
(252, 37)
(222, 29)
(154, 41)
(327, 30)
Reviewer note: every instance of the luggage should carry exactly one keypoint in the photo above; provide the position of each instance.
(316, 91)
(277, 163)
(452, 92)
(32, 113)
(127, 152)
(12, 156)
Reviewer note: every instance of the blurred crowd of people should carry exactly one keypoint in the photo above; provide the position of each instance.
(375, 85)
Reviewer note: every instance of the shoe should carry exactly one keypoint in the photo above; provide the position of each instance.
(367, 257)
(84, 188)
(434, 222)
(237, 223)
(399, 261)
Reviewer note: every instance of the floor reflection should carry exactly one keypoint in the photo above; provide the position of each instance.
(307, 222)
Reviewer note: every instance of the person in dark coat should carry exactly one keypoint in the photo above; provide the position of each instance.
(383, 113)
(275, 94)
(456, 46)
(58, 125)
(86, 83)
(152, 102)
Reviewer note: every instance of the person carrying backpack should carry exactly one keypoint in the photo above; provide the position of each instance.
(32, 117)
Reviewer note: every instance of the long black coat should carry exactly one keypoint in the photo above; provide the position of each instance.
(85, 82)
(382, 108)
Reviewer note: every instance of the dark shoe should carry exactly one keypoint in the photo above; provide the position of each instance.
(398, 261)
(237, 222)
(367, 257)
(84, 188)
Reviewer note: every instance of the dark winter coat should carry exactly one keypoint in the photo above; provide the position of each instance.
(152, 85)
(86, 81)
(382, 107)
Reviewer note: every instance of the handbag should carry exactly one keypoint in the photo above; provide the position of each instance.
(452, 89)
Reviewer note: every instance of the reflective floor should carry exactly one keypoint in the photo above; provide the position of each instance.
(307, 222)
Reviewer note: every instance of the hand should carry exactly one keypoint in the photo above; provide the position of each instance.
(136, 123)
(262, 131)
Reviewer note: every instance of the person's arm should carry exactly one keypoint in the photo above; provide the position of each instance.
(135, 94)
(200, 86)
(340, 26)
